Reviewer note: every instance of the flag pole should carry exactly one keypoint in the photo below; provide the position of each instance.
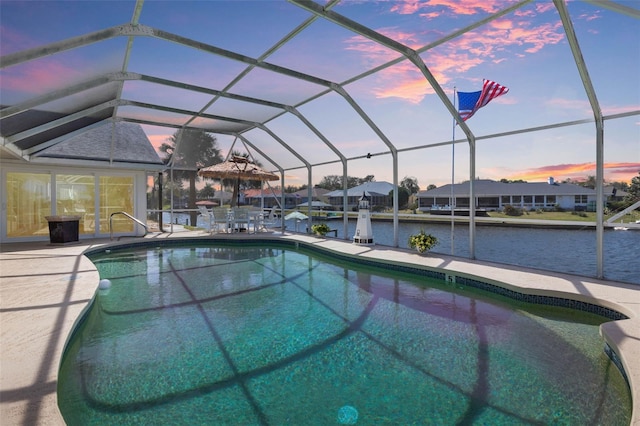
(453, 157)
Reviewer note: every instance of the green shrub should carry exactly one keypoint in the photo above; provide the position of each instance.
(509, 210)
(320, 229)
(422, 241)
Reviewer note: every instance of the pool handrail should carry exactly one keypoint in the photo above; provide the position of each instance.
(146, 230)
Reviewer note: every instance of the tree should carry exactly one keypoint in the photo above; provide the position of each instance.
(196, 149)
(431, 186)
(590, 182)
(634, 190)
(403, 197)
(172, 187)
(333, 182)
(620, 185)
(410, 183)
(189, 150)
(207, 192)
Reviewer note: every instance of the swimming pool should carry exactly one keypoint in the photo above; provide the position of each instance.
(248, 334)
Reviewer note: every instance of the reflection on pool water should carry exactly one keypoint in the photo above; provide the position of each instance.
(264, 335)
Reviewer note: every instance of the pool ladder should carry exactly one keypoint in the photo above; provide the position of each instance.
(146, 230)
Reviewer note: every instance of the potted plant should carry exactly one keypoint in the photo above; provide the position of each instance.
(320, 229)
(422, 241)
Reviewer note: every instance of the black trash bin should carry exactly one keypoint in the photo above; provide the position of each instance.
(63, 229)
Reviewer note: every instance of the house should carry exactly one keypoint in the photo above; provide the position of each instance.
(317, 194)
(292, 200)
(93, 174)
(378, 193)
(612, 193)
(493, 195)
(271, 197)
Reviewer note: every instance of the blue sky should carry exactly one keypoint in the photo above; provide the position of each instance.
(525, 50)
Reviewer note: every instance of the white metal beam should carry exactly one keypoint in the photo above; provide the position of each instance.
(597, 114)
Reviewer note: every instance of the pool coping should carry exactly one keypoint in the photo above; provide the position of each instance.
(41, 301)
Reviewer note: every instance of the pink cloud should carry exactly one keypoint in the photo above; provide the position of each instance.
(39, 77)
(612, 172)
(544, 7)
(405, 81)
(407, 7)
(590, 17)
(15, 41)
(455, 7)
(496, 42)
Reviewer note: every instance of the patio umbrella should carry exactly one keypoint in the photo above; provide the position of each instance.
(297, 216)
(238, 168)
(206, 203)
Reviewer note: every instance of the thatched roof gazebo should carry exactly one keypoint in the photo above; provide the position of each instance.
(238, 168)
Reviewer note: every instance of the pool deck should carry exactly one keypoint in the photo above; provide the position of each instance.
(45, 287)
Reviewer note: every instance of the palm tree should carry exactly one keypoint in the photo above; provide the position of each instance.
(189, 150)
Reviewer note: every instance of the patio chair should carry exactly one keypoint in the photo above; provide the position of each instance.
(240, 219)
(270, 221)
(207, 216)
(221, 219)
(255, 219)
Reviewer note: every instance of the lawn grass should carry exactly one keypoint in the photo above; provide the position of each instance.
(577, 217)
(552, 215)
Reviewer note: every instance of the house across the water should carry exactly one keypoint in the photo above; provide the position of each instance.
(493, 195)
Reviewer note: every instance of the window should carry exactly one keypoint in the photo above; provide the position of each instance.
(28, 202)
(425, 202)
(30, 197)
(539, 199)
(505, 199)
(462, 202)
(75, 195)
(116, 195)
(580, 199)
(488, 202)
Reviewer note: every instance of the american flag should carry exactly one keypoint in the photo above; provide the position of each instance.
(470, 102)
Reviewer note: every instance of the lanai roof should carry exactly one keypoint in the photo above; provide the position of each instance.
(267, 73)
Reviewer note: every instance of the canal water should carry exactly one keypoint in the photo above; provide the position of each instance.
(561, 250)
(572, 251)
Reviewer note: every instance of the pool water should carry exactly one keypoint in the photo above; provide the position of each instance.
(264, 335)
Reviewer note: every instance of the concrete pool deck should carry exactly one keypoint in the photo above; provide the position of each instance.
(45, 287)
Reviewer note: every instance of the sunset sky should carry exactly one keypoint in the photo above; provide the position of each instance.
(525, 50)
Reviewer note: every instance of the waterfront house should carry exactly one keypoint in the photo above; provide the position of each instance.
(378, 193)
(493, 195)
(271, 197)
(291, 199)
